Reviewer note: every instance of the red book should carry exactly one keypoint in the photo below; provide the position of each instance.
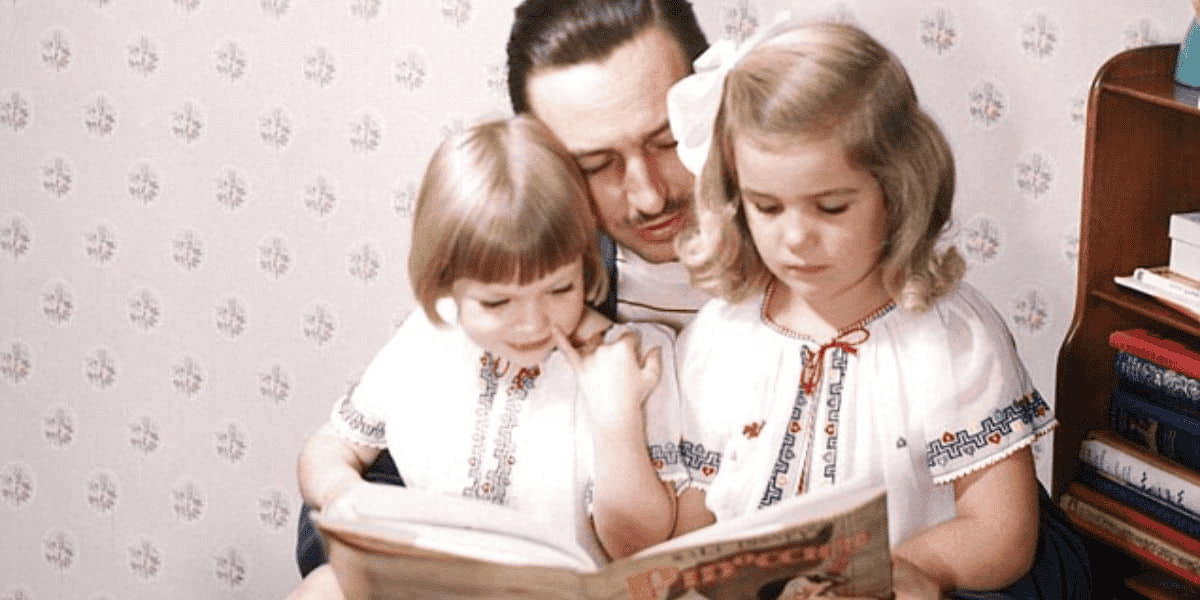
(1157, 585)
(1159, 350)
(1139, 544)
(1134, 517)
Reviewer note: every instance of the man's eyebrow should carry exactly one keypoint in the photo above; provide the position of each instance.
(590, 153)
(661, 129)
(665, 127)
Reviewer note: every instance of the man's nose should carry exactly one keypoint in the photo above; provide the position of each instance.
(645, 188)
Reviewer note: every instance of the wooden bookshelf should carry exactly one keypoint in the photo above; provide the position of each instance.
(1141, 164)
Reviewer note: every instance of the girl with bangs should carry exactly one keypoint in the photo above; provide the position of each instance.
(505, 386)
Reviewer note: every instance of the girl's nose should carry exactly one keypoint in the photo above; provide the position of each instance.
(798, 232)
(534, 316)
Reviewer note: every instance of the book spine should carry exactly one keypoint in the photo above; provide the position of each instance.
(1181, 291)
(1158, 384)
(1157, 585)
(1162, 430)
(1134, 517)
(1137, 543)
(1160, 351)
(1144, 475)
(1163, 512)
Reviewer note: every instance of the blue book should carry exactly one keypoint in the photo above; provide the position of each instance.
(1165, 431)
(1157, 383)
(1158, 508)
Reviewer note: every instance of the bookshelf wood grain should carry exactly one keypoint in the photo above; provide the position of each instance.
(1141, 164)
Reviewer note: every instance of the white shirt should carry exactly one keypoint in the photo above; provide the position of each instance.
(457, 423)
(924, 399)
(655, 292)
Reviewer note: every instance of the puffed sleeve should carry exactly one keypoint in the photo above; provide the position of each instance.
(988, 408)
(360, 416)
(662, 408)
(717, 352)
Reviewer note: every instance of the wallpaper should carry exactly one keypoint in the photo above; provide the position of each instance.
(204, 215)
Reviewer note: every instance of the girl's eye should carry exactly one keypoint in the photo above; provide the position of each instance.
(493, 303)
(834, 209)
(767, 209)
(566, 289)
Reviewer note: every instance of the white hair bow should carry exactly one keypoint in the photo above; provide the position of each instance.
(693, 101)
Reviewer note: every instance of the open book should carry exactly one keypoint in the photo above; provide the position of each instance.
(390, 542)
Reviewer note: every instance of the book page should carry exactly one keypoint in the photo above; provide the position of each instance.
(392, 544)
(452, 525)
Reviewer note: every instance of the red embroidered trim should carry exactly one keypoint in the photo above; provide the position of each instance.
(848, 339)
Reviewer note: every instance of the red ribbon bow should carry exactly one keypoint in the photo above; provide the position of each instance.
(814, 362)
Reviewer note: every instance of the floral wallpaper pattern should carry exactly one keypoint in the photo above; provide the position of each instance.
(204, 214)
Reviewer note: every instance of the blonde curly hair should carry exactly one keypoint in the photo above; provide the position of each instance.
(825, 79)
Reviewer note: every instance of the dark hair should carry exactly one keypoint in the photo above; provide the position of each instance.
(561, 33)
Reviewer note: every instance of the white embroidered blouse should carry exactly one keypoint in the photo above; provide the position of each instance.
(915, 400)
(457, 422)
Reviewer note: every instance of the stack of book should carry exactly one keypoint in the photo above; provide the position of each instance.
(1177, 283)
(1138, 486)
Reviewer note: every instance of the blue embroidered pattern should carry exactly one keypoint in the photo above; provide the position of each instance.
(992, 430)
(372, 430)
(664, 454)
(701, 463)
(493, 485)
(787, 452)
(788, 447)
(834, 417)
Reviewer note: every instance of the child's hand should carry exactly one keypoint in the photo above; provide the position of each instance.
(911, 583)
(616, 378)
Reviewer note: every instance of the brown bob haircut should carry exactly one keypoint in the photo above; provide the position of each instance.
(501, 202)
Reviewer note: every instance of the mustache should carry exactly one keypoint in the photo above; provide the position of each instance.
(673, 205)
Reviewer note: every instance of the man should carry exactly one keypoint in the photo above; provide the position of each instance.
(596, 72)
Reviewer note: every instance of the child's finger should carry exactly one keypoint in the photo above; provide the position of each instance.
(565, 346)
(652, 364)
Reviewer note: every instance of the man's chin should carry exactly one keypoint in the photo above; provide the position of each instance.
(650, 250)
(656, 253)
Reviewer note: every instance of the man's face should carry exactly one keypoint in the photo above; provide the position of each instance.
(612, 115)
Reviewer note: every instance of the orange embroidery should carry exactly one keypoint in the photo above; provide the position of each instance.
(752, 430)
